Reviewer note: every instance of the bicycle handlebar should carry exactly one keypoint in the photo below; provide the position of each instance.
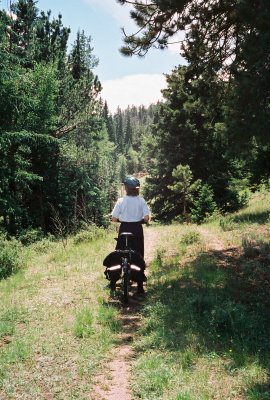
(142, 221)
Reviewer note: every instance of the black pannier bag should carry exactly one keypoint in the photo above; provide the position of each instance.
(113, 266)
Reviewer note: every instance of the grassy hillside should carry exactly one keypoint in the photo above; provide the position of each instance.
(204, 326)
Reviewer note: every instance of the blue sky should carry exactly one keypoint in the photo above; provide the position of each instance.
(125, 80)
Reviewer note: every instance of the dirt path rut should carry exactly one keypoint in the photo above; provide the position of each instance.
(114, 382)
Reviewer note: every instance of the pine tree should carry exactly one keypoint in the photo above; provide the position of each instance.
(204, 205)
(51, 39)
(226, 42)
(55, 156)
(184, 186)
(34, 37)
(109, 121)
(21, 32)
(81, 59)
(119, 129)
(129, 133)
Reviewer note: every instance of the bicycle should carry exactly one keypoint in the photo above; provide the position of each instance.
(124, 267)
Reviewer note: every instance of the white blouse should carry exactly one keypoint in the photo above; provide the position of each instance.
(130, 209)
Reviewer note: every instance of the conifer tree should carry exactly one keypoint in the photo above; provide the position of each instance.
(34, 37)
(217, 103)
(129, 133)
(184, 186)
(119, 126)
(51, 39)
(21, 36)
(109, 121)
(55, 156)
(204, 204)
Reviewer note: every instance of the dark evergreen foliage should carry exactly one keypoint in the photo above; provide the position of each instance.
(216, 112)
(55, 155)
(62, 153)
(204, 205)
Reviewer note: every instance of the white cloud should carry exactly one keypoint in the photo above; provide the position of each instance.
(174, 48)
(118, 12)
(12, 15)
(141, 89)
(122, 15)
(176, 40)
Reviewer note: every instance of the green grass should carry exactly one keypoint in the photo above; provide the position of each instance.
(9, 319)
(84, 323)
(190, 237)
(56, 328)
(192, 317)
(206, 326)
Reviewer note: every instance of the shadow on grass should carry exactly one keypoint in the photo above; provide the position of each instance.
(252, 218)
(219, 304)
(129, 314)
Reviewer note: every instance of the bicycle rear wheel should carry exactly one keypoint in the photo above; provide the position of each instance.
(125, 286)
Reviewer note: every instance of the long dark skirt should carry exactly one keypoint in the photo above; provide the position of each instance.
(137, 243)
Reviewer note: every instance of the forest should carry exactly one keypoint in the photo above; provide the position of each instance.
(203, 149)
(201, 329)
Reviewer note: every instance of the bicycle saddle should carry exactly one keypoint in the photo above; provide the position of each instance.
(126, 234)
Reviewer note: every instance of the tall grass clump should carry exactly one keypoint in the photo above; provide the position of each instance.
(89, 321)
(88, 234)
(96, 326)
(227, 223)
(11, 257)
(108, 317)
(84, 323)
(255, 246)
(12, 349)
(8, 320)
(19, 351)
(190, 238)
(154, 376)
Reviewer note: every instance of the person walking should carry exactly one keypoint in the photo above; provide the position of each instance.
(131, 211)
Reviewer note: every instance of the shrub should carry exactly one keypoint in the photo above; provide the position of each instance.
(235, 200)
(227, 224)
(204, 206)
(11, 259)
(44, 245)
(190, 237)
(230, 318)
(244, 198)
(30, 236)
(92, 232)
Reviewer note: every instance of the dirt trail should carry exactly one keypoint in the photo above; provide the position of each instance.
(114, 382)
